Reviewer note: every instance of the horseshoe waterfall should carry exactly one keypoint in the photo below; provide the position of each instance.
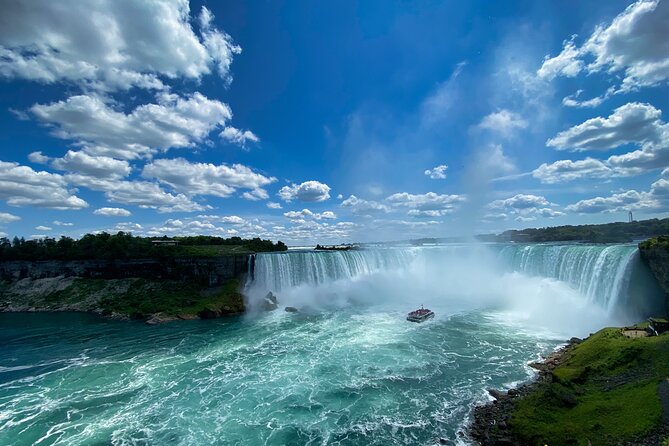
(346, 368)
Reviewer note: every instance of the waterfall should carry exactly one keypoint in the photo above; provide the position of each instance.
(278, 271)
(611, 276)
(601, 273)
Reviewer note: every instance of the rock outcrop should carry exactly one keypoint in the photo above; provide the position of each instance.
(655, 253)
(209, 271)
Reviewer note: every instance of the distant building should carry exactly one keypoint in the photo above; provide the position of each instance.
(168, 242)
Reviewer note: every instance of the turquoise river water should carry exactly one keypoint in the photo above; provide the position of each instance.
(347, 370)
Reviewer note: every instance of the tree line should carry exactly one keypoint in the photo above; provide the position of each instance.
(122, 245)
(618, 232)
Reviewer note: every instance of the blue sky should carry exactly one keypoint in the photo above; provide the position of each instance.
(331, 121)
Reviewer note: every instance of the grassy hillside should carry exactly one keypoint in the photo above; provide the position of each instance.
(607, 391)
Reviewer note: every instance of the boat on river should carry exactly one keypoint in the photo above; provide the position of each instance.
(420, 315)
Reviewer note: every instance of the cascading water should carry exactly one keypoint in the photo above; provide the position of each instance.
(346, 369)
(602, 274)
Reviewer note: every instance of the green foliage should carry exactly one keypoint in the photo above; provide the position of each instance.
(124, 245)
(605, 392)
(656, 242)
(138, 298)
(605, 233)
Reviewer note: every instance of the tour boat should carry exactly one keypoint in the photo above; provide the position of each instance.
(420, 315)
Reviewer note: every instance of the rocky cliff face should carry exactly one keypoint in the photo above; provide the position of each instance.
(210, 271)
(157, 290)
(655, 253)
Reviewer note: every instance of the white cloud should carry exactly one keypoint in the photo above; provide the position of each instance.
(112, 212)
(144, 194)
(255, 195)
(62, 223)
(503, 122)
(631, 123)
(634, 43)
(306, 213)
(520, 201)
(22, 186)
(96, 166)
(525, 207)
(665, 173)
(426, 202)
(360, 206)
(43, 228)
(102, 130)
(8, 218)
(573, 101)
(239, 137)
(273, 205)
(207, 179)
(568, 170)
(38, 158)
(110, 44)
(657, 200)
(309, 191)
(437, 173)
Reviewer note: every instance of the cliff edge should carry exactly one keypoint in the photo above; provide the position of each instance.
(655, 253)
(149, 289)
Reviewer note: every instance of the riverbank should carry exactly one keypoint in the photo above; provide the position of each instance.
(606, 390)
(126, 298)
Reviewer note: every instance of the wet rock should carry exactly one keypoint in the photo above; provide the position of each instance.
(513, 392)
(209, 313)
(496, 394)
(292, 309)
(271, 297)
(159, 318)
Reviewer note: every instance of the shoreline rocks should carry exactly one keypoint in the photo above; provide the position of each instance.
(490, 426)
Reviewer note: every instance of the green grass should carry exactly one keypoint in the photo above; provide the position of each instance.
(605, 392)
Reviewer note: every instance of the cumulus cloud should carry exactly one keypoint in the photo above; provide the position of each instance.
(8, 218)
(103, 130)
(631, 123)
(38, 158)
(144, 194)
(112, 212)
(309, 191)
(110, 44)
(62, 223)
(520, 201)
(430, 201)
(22, 186)
(306, 213)
(525, 207)
(207, 179)
(437, 173)
(503, 122)
(657, 200)
(634, 44)
(360, 206)
(239, 137)
(97, 166)
(43, 228)
(273, 205)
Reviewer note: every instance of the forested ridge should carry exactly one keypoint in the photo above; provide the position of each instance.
(124, 245)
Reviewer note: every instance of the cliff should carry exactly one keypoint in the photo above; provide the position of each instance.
(655, 253)
(155, 290)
